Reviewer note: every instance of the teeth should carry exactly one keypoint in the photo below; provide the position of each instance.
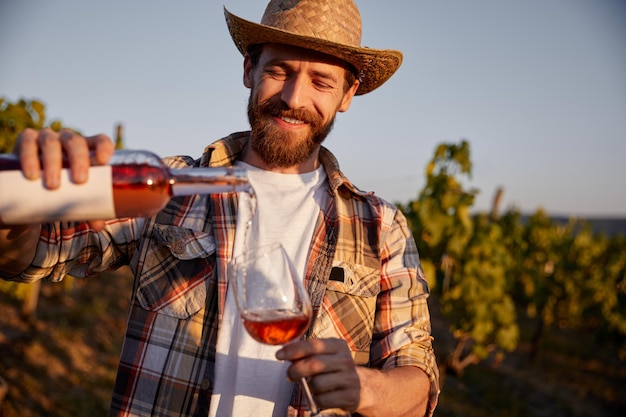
(292, 121)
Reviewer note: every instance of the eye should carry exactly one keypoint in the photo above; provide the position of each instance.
(276, 73)
(323, 81)
(322, 85)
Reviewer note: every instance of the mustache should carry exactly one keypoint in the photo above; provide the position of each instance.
(278, 108)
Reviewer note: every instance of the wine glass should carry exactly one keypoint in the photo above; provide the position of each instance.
(273, 304)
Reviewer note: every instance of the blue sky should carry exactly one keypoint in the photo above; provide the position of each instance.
(537, 87)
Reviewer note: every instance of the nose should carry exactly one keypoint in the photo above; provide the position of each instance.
(294, 92)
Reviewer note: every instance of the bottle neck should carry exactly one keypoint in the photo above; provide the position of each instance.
(190, 181)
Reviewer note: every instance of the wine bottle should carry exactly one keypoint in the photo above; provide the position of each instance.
(133, 184)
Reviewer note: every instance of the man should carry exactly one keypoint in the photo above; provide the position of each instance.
(368, 350)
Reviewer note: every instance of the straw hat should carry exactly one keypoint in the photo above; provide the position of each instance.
(329, 26)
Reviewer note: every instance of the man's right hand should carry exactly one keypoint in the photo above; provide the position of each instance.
(41, 153)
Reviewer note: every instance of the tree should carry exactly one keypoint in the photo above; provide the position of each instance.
(15, 117)
(478, 302)
(468, 258)
(440, 217)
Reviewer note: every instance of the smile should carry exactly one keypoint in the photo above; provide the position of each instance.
(292, 121)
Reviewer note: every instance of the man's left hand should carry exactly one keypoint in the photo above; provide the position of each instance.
(329, 368)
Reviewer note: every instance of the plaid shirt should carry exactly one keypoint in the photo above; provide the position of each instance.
(363, 275)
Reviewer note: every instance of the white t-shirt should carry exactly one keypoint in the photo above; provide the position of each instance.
(249, 381)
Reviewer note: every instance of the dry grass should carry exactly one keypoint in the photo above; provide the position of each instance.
(64, 362)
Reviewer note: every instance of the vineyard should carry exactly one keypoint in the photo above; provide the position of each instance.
(491, 271)
(529, 313)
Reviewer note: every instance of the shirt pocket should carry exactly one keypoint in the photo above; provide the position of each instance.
(175, 271)
(349, 307)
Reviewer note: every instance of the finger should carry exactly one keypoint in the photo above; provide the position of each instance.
(77, 152)
(344, 399)
(329, 382)
(338, 389)
(51, 154)
(304, 348)
(324, 356)
(102, 148)
(97, 225)
(27, 149)
(314, 365)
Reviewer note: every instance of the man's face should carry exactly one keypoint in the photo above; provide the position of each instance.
(295, 95)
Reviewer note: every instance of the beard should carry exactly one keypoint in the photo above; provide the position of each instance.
(279, 148)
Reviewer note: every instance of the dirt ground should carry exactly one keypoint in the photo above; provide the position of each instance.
(63, 363)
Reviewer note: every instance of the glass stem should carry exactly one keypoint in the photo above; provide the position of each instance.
(305, 386)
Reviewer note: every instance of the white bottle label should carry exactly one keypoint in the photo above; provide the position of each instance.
(24, 201)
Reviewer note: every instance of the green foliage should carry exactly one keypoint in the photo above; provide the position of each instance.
(608, 285)
(567, 276)
(471, 256)
(119, 137)
(534, 248)
(15, 117)
(440, 217)
(487, 268)
(479, 301)
(15, 290)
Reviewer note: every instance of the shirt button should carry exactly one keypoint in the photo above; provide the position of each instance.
(206, 384)
(179, 248)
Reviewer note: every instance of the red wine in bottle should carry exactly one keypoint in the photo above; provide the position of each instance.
(134, 184)
(275, 327)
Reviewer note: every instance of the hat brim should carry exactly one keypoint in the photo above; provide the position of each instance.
(374, 66)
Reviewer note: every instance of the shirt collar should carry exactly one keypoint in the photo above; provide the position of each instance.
(225, 152)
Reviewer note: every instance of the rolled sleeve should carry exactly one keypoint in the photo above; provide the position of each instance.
(76, 249)
(402, 327)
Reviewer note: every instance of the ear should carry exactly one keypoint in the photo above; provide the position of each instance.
(247, 71)
(347, 97)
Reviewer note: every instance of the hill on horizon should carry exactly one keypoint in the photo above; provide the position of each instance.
(609, 226)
